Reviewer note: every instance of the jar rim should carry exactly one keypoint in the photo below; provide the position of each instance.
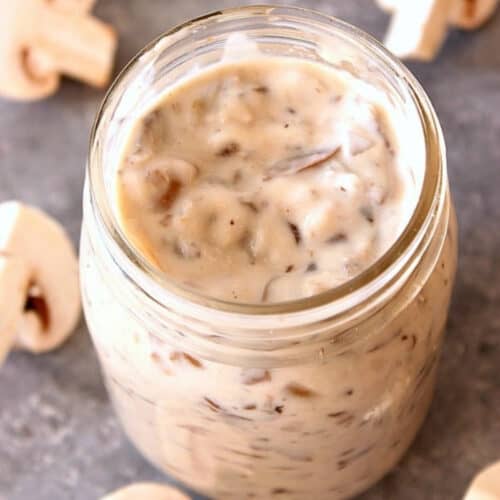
(383, 271)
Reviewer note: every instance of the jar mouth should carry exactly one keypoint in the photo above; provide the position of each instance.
(379, 276)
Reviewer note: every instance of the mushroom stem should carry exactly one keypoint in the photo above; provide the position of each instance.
(12, 297)
(76, 45)
(388, 5)
(39, 286)
(465, 14)
(418, 30)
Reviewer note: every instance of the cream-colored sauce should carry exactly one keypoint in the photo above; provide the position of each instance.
(264, 180)
(206, 190)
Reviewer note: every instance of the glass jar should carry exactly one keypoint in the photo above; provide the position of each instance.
(316, 398)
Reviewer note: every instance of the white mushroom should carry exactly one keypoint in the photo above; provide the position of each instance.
(74, 5)
(41, 40)
(146, 491)
(388, 5)
(419, 28)
(13, 277)
(465, 14)
(39, 289)
(486, 485)
(471, 14)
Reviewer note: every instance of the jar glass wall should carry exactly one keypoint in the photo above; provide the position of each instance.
(316, 398)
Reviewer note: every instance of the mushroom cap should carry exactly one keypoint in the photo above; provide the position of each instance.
(13, 276)
(49, 267)
(149, 491)
(20, 78)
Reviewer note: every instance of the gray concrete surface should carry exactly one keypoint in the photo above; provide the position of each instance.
(59, 439)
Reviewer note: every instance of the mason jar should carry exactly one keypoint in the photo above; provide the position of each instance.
(314, 398)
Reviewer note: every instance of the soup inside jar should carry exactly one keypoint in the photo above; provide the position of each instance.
(264, 180)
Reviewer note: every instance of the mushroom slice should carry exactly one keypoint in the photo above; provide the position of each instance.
(465, 14)
(486, 485)
(146, 491)
(418, 28)
(389, 5)
(472, 14)
(13, 278)
(295, 164)
(39, 286)
(75, 6)
(41, 40)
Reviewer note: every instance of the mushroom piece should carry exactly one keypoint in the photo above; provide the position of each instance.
(418, 29)
(388, 5)
(465, 14)
(74, 5)
(41, 40)
(486, 485)
(472, 14)
(13, 276)
(146, 491)
(39, 286)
